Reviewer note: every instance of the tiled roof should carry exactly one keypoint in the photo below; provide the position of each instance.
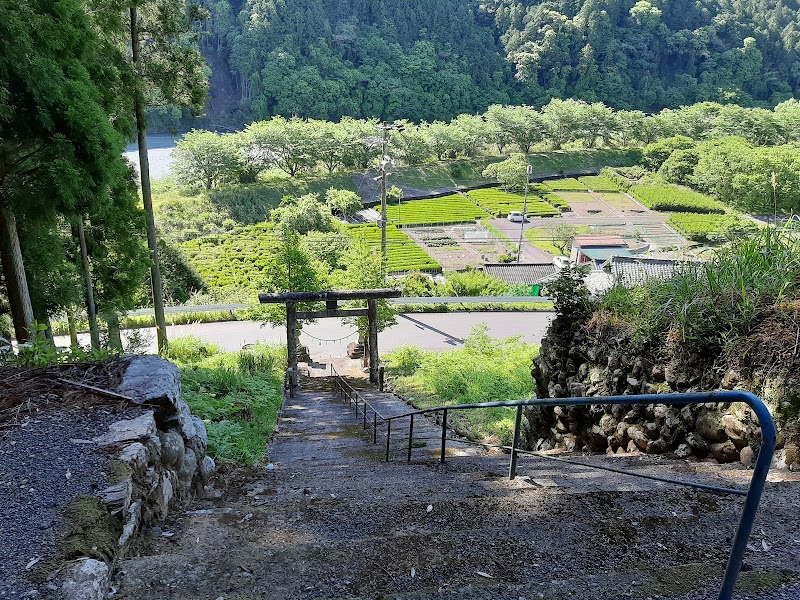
(633, 271)
(520, 273)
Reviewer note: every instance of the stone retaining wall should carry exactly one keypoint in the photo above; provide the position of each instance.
(575, 363)
(158, 463)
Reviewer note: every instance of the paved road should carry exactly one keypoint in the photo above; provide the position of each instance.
(430, 331)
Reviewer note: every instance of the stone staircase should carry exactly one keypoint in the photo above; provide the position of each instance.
(328, 518)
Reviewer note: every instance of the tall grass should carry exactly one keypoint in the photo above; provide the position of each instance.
(705, 304)
(237, 394)
(485, 370)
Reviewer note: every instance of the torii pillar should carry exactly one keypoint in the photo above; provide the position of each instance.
(331, 299)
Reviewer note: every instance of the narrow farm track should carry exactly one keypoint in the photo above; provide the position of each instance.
(330, 519)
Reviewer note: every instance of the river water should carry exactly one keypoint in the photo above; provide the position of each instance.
(159, 147)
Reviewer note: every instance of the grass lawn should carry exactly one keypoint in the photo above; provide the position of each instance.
(541, 238)
(485, 370)
(618, 200)
(452, 174)
(574, 196)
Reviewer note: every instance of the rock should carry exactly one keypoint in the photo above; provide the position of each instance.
(657, 373)
(688, 415)
(708, 425)
(569, 441)
(735, 430)
(658, 446)
(651, 430)
(583, 371)
(172, 448)
(135, 455)
(683, 451)
(608, 425)
(186, 474)
(88, 580)
(725, 452)
(633, 382)
(131, 430)
(207, 467)
(632, 447)
(131, 523)
(747, 456)
(577, 390)
(595, 375)
(730, 380)
(632, 416)
(792, 455)
(638, 436)
(117, 497)
(697, 443)
(151, 380)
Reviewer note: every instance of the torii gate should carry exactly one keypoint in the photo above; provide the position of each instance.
(331, 299)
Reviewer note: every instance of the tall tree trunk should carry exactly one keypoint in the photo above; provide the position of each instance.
(19, 298)
(73, 332)
(147, 196)
(114, 335)
(91, 311)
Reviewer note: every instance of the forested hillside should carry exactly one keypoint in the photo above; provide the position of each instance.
(434, 59)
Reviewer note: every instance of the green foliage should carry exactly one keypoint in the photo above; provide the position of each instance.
(510, 173)
(500, 203)
(555, 239)
(433, 211)
(237, 394)
(343, 203)
(710, 228)
(206, 159)
(569, 293)
(473, 282)
(179, 278)
(672, 198)
(304, 214)
(565, 184)
(654, 155)
(485, 370)
(418, 285)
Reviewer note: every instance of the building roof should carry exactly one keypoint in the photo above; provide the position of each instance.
(590, 241)
(632, 271)
(603, 254)
(520, 273)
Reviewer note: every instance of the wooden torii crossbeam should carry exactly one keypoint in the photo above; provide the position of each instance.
(331, 299)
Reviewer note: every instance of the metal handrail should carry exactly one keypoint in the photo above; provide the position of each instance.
(348, 391)
(752, 495)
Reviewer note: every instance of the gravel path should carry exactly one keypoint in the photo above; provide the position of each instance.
(43, 466)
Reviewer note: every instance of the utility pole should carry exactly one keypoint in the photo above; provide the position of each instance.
(528, 173)
(386, 161)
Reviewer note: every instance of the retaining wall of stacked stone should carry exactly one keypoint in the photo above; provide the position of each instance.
(158, 463)
(575, 363)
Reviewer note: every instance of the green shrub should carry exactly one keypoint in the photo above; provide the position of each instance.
(671, 198)
(473, 283)
(237, 394)
(565, 184)
(485, 370)
(710, 228)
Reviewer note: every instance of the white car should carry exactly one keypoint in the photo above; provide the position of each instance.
(516, 216)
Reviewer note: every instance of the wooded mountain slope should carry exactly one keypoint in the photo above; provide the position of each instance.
(434, 59)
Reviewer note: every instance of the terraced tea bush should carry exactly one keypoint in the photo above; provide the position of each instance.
(709, 228)
(500, 203)
(432, 211)
(403, 253)
(567, 183)
(672, 198)
(598, 183)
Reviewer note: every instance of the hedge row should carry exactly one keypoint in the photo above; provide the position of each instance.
(672, 198)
